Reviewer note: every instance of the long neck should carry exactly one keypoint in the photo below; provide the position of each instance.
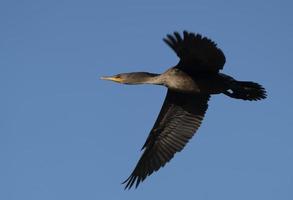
(146, 78)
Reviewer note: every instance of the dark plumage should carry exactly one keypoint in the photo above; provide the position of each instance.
(190, 84)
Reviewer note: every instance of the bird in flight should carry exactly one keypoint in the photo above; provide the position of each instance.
(190, 84)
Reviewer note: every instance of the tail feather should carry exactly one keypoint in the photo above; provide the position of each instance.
(246, 90)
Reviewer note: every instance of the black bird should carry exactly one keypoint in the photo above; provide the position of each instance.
(190, 84)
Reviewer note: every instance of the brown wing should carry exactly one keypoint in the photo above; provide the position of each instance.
(196, 53)
(179, 118)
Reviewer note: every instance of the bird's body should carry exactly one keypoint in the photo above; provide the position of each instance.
(190, 84)
(201, 83)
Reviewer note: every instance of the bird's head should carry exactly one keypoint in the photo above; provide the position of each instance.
(132, 78)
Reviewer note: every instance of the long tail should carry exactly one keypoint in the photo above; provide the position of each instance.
(246, 90)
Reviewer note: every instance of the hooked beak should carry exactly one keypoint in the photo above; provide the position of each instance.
(112, 78)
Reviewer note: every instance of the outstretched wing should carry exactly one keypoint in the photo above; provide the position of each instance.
(196, 53)
(179, 118)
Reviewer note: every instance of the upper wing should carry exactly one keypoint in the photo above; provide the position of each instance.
(179, 118)
(196, 53)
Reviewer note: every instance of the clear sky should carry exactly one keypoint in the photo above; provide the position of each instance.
(65, 134)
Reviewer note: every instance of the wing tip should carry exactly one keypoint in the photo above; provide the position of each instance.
(130, 181)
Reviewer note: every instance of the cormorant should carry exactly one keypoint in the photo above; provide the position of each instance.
(190, 84)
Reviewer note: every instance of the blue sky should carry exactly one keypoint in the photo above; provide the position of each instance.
(65, 134)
